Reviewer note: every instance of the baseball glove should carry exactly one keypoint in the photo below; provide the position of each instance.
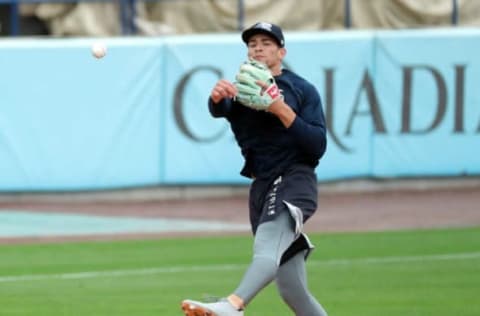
(250, 92)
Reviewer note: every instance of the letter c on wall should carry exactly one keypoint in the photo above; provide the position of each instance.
(178, 106)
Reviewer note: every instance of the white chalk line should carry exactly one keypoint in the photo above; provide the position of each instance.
(231, 267)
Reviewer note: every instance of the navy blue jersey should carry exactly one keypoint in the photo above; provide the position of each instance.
(267, 146)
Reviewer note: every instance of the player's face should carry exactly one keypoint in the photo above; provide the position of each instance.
(263, 48)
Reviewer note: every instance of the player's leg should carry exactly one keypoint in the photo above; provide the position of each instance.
(271, 241)
(293, 288)
(291, 199)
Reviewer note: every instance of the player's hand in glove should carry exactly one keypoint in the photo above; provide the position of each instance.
(256, 86)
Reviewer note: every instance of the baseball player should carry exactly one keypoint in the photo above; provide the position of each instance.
(278, 122)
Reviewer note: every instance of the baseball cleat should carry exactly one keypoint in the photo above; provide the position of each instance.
(220, 308)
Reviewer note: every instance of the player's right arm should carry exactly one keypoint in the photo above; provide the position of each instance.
(220, 100)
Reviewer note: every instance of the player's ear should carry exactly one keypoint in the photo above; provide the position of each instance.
(282, 52)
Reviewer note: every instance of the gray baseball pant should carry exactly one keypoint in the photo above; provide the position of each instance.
(272, 239)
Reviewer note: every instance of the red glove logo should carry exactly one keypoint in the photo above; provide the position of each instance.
(273, 91)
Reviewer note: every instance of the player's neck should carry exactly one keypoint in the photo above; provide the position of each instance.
(276, 71)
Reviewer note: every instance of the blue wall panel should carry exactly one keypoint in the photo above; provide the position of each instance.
(428, 89)
(69, 121)
(397, 104)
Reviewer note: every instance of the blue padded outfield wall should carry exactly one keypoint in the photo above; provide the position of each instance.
(398, 104)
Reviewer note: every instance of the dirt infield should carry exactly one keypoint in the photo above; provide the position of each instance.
(392, 207)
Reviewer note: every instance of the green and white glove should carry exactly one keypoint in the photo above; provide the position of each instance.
(252, 94)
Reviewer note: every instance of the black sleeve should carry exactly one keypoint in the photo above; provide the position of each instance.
(220, 109)
(309, 126)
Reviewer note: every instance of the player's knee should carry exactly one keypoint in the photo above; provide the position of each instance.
(290, 294)
(283, 290)
(268, 265)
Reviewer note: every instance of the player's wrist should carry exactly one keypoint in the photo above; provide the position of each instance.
(277, 106)
(284, 113)
(216, 99)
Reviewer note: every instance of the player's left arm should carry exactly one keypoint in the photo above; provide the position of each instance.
(308, 125)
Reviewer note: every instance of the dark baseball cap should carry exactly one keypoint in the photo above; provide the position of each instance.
(269, 29)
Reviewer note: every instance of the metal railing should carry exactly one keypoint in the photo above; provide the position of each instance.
(128, 13)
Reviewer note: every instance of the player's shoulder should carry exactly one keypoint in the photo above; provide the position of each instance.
(296, 78)
(299, 82)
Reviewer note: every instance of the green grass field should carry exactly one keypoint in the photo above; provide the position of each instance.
(405, 273)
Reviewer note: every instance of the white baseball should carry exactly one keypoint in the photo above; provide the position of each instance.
(99, 49)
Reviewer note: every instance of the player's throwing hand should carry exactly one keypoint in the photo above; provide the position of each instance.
(223, 89)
